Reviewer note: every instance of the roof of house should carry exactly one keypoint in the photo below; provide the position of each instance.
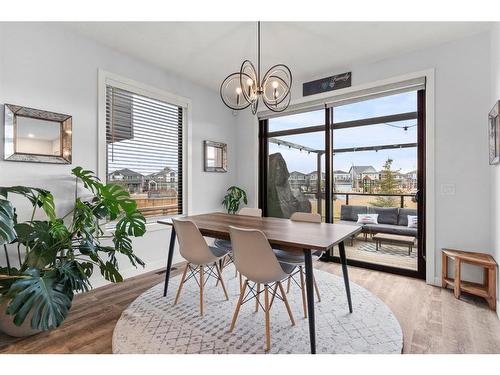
(162, 172)
(297, 173)
(338, 171)
(127, 172)
(362, 169)
(314, 173)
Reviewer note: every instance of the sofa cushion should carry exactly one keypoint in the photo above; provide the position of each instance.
(403, 215)
(350, 213)
(390, 229)
(386, 215)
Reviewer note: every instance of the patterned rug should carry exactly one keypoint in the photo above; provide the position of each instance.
(152, 324)
(401, 251)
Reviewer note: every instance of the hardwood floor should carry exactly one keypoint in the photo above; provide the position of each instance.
(433, 321)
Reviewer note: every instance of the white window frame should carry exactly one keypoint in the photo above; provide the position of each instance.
(107, 78)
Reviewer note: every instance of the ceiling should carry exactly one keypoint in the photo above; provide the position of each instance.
(206, 52)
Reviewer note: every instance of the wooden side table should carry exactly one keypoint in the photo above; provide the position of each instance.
(486, 290)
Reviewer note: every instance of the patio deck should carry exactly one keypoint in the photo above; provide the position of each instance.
(388, 255)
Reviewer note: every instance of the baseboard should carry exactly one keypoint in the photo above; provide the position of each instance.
(130, 272)
(437, 281)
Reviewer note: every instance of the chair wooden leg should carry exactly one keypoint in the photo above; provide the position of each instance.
(268, 327)
(257, 298)
(274, 294)
(219, 273)
(202, 279)
(317, 290)
(238, 306)
(285, 300)
(289, 282)
(181, 284)
(303, 290)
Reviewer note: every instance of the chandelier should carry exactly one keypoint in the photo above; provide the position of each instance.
(245, 88)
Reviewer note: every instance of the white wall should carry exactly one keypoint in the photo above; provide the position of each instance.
(461, 149)
(47, 67)
(495, 169)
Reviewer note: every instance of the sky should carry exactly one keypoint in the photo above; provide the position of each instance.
(405, 160)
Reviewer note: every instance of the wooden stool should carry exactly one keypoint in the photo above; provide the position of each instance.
(486, 290)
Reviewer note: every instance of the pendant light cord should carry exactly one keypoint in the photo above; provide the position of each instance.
(258, 54)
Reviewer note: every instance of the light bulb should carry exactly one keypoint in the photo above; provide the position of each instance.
(238, 90)
(249, 82)
(275, 84)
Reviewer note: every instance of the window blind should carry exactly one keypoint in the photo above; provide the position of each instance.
(144, 150)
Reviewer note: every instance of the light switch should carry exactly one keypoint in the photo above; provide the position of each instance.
(447, 189)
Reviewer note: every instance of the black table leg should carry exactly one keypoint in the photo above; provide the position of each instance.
(310, 299)
(169, 260)
(343, 260)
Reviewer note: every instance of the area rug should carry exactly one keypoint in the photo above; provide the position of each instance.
(400, 251)
(152, 324)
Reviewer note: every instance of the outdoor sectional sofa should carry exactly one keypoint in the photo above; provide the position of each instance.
(391, 220)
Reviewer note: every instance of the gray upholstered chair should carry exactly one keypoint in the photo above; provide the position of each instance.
(202, 259)
(254, 258)
(297, 260)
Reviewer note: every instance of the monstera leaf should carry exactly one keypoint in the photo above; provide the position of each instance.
(75, 275)
(110, 273)
(39, 197)
(47, 296)
(134, 224)
(7, 222)
(123, 244)
(37, 237)
(116, 198)
(89, 179)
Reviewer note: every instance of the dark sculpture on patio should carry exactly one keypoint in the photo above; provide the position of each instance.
(281, 200)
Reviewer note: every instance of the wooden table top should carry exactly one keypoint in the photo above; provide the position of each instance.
(281, 233)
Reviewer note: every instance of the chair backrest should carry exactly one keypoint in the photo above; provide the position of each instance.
(306, 216)
(253, 256)
(192, 245)
(247, 211)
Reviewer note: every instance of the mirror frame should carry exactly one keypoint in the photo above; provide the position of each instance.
(220, 145)
(13, 112)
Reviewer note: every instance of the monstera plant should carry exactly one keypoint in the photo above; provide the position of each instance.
(48, 261)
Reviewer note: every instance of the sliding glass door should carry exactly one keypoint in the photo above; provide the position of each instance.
(359, 161)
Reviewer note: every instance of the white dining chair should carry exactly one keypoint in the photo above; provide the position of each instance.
(254, 258)
(202, 260)
(298, 260)
(249, 211)
(245, 211)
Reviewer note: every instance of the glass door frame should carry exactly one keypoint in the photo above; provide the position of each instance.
(328, 129)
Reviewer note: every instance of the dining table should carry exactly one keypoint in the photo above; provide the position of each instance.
(294, 236)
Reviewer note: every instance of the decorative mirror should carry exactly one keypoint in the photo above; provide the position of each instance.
(36, 136)
(215, 157)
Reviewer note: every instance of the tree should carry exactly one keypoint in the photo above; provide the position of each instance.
(388, 185)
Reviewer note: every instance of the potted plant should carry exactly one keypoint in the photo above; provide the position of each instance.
(233, 198)
(60, 254)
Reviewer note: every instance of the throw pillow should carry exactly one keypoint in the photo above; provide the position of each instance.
(367, 219)
(412, 221)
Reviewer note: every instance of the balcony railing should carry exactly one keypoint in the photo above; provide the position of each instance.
(400, 195)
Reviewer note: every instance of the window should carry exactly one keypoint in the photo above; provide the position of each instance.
(144, 140)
